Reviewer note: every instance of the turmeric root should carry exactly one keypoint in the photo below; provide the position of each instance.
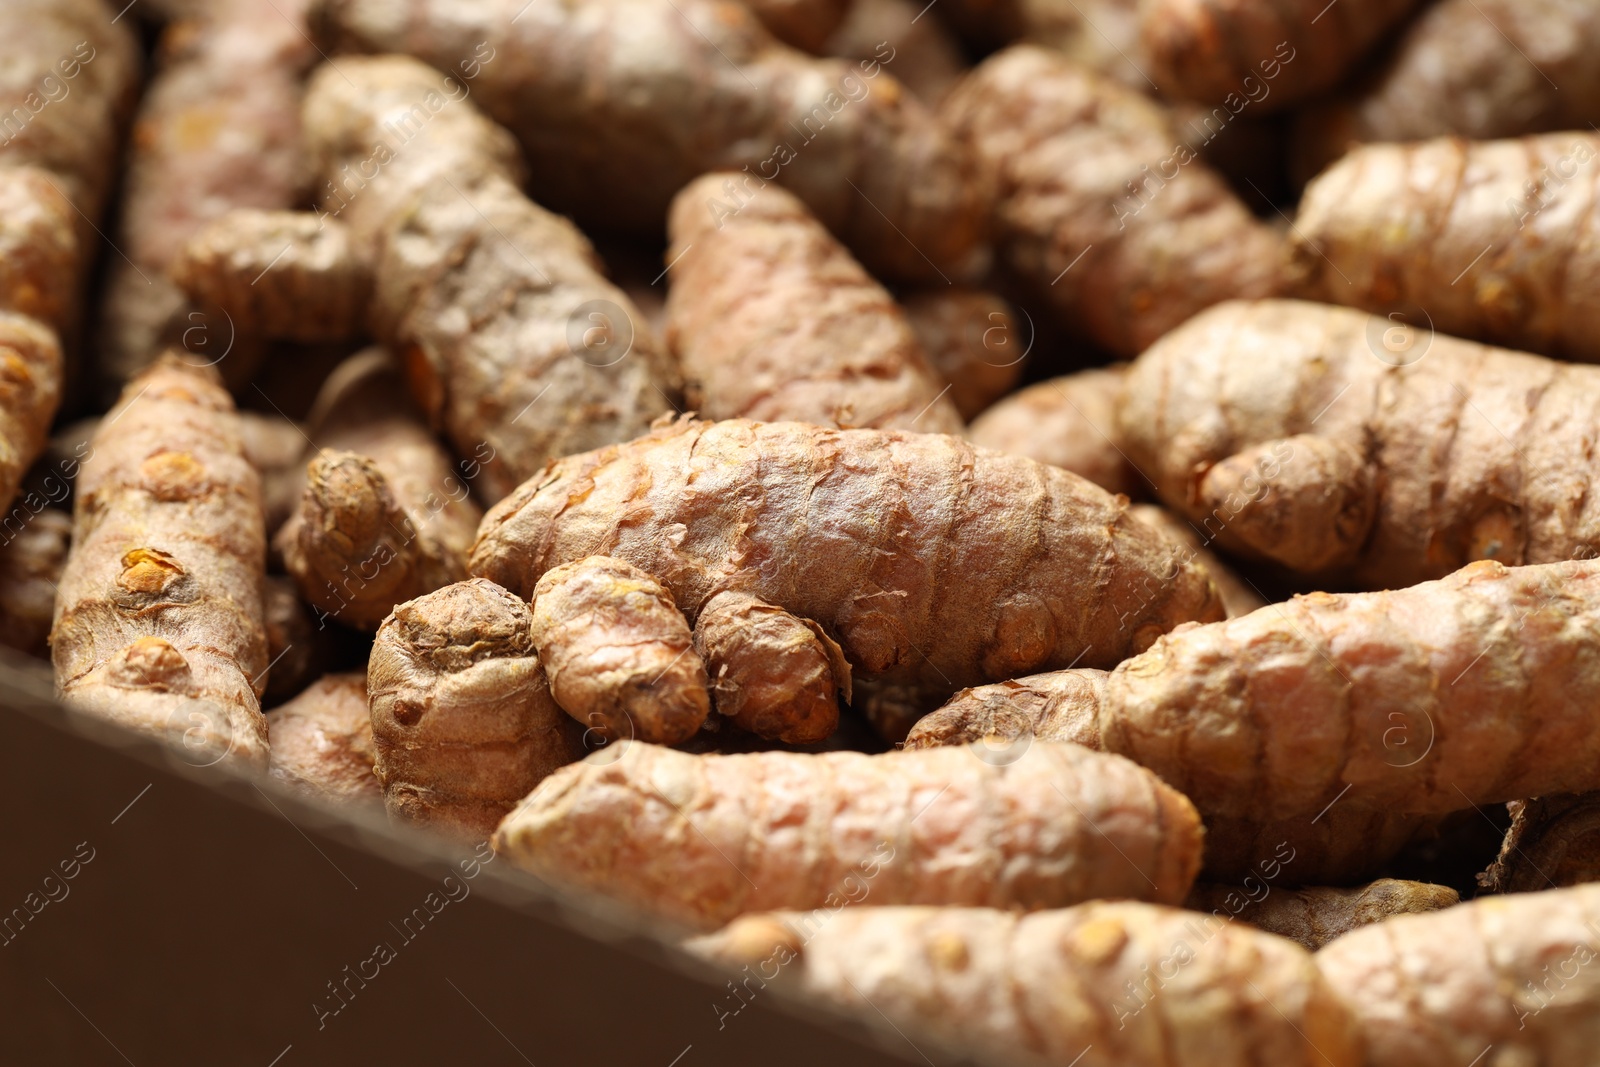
(773, 320)
(511, 339)
(1514, 974)
(384, 517)
(286, 275)
(1553, 842)
(1098, 985)
(770, 673)
(1209, 50)
(31, 560)
(1316, 915)
(462, 717)
(1309, 434)
(889, 541)
(1054, 706)
(1104, 214)
(1068, 422)
(925, 56)
(30, 391)
(612, 139)
(617, 652)
(1480, 69)
(1488, 238)
(1239, 597)
(322, 741)
(700, 840)
(804, 24)
(275, 447)
(158, 623)
(296, 647)
(972, 339)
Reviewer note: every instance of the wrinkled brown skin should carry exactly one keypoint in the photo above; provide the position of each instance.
(1474, 689)
(1469, 452)
(462, 716)
(1516, 972)
(285, 275)
(30, 391)
(384, 516)
(1316, 915)
(1450, 227)
(770, 673)
(1068, 422)
(322, 741)
(699, 840)
(1239, 597)
(1203, 50)
(276, 448)
(31, 560)
(1481, 69)
(1103, 984)
(611, 140)
(1062, 144)
(972, 339)
(158, 623)
(618, 653)
(297, 648)
(933, 564)
(772, 319)
(217, 129)
(803, 24)
(1055, 706)
(512, 340)
(1553, 842)
(925, 56)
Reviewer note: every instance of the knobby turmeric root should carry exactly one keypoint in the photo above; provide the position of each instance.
(1054, 706)
(1097, 985)
(934, 565)
(772, 319)
(701, 839)
(1316, 915)
(462, 717)
(322, 741)
(158, 622)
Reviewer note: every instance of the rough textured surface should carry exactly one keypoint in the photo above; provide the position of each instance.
(1206, 49)
(30, 391)
(1063, 145)
(933, 564)
(772, 319)
(702, 839)
(218, 128)
(297, 647)
(461, 714)
(286, 275)
(1469, 690)
(1318, 914)
(1098, 985)
(322, 741)
(620, 103)
(1245, 417)
(384, 516)
(1239, 596)
(772, 674)
(1516, 973)
(1490, 240)
(973, 340)
(1477, 68)
(158, 622)
(924, 56)
(31, 561)
(618, 652)
(1554, 841)
(1068, 422)
(1055, 706)
(511, 337)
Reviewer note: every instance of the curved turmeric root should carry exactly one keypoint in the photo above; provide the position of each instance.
(770, 673)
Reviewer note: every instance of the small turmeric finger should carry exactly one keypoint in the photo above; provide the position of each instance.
(322, 741)
(972, 339)
(1055, 706)
(1068, 422)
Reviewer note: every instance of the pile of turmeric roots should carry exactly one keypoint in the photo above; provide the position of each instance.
(1063, 527)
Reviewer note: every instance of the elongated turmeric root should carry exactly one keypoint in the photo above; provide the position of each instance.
(1553, 841)
(702, 839)
(773, 320)
(1309, 434)
(1504, 979)
(1068, 422)
(973, 340)
(618, 653)
(1098, 985)
(1105, 215)
(892, 542)
(462, 717)
(612, 139)
(1316, 915)
(384, 516)
(512, 340)
(158, 623)
(1487, 239)
(1054, 706)
(322, 741)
